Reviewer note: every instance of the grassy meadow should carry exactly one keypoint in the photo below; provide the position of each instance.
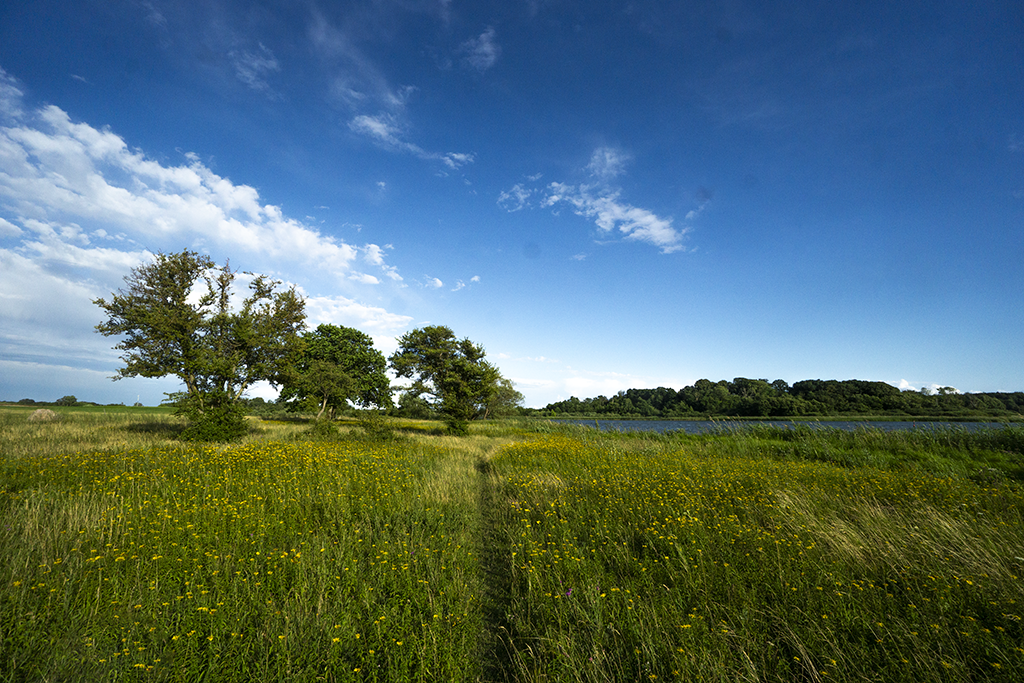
(524, 552)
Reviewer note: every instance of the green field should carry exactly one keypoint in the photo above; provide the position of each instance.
(522, 552)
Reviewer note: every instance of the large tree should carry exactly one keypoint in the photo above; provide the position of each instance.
(176, 317)
(338, 364)
(448, 372)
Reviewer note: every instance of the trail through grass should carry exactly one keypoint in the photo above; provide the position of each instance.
(509, 555)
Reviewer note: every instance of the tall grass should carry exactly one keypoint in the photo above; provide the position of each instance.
(520, 552)
(267, 561)
(683, 563)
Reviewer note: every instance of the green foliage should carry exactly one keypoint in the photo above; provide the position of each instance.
(743, 397)
(66, 401)
(337, 365)
(456, 427)
(212, 417)
(376, 425)
(170, 324)
(414, 407)
(452, 374)
(503, 400)
(322, 429)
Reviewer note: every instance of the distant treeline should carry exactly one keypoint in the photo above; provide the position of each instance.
(744, 397)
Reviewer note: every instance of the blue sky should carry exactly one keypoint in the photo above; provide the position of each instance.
(605, 195)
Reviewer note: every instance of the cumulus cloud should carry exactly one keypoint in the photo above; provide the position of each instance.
(339, 310)
(433, 282)
(79, 209)
(70, 176)
(481, 52)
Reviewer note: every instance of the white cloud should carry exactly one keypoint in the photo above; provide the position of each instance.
(475, 278)
(433, 282)
(515, 198)
(338, 310)
(79, 209)
(481, 52)
(252, 68)
(357, 81)
(384, 130)
(364, 278)
(601, 202)
(606, 163)
(8, 229)
(70, 174)
(373, 255)
(10, 96)
(456, 160)
(609, 213)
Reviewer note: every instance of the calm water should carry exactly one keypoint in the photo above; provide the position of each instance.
(703, 426)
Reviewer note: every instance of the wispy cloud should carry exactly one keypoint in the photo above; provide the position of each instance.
(459, 284)
(252, 68)
(385, 131)
(607, 163)
(356, 81)
(515, 198)
(601, 201)
(10, 96)
(609, 213)
(482, 52)
(378, 109)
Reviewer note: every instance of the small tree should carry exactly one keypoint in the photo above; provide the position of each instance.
(337, 365)
(66, 401)
(450, 372)
(172, 324)
(503, 400)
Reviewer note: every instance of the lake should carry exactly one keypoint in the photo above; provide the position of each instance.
(704, 426)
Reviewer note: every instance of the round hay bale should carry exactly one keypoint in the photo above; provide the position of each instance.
(43, 415)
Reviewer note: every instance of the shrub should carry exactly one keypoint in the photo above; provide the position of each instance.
(456, 427)
(376, 425)
(322, 429)
(212, 417)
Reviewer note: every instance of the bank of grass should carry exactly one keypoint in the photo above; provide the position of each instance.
(681, 560)
(523, 552)
(269, 560)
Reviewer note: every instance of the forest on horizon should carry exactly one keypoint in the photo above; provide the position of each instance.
(744, 397)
